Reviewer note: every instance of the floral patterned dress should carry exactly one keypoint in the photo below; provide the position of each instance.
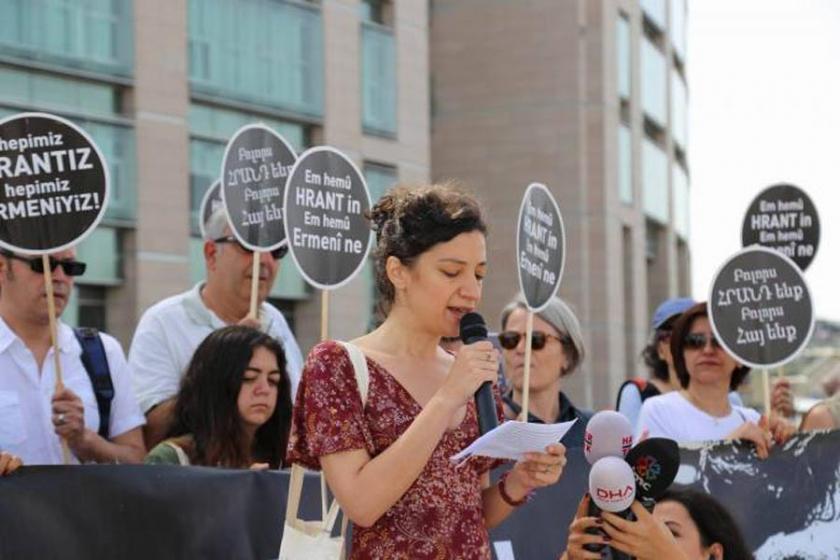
(441, 515)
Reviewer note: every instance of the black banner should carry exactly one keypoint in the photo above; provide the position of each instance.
(788, 507)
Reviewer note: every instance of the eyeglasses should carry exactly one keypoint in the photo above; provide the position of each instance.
(276, 254)
(510, 339)
(698, 341)
(36, 264)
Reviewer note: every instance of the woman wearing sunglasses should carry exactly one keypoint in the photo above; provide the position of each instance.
(702, 410)
(556, 351)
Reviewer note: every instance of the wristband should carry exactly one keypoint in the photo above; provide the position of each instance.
(506, 497)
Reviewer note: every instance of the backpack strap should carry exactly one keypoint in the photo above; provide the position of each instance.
(96, 365)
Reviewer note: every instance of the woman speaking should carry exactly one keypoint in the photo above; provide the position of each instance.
(387, 461)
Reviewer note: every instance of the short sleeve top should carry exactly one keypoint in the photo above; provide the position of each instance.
(441, 514)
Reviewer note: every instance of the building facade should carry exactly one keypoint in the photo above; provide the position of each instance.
(161, 85)
(588, 97)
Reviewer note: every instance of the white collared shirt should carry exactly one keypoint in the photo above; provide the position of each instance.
(26, 427)
(168, 334)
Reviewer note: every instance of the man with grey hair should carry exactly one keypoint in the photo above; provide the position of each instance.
(169, 332)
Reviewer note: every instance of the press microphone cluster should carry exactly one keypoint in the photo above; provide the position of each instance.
(622, 473)
(473, 329)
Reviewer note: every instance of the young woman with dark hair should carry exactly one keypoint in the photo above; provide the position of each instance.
(686, 524)
(701, 410)
(234, 406)
(388, 460)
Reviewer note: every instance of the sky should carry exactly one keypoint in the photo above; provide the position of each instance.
(764, 108)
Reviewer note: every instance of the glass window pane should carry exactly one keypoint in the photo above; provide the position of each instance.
(654, 182)
(379, 81)
(654, 76)
(258, 51)
(655, 11)
(379, 178)
(216, 126)
(625, 165)
(679, 110)
(624, 56)
(94, 34)
(101, 251)
(49, 92)
(681, 198)
(678, 27)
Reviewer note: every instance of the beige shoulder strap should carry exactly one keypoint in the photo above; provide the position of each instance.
(183, 460)
(360, 369)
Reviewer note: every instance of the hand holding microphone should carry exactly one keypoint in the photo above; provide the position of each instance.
(476, 366)
(473, 332)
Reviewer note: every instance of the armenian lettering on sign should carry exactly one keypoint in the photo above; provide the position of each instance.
(255, 168)
(760, 307)
(54, 183)
(784, 218)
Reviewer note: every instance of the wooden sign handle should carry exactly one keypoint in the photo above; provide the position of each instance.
(526, 379)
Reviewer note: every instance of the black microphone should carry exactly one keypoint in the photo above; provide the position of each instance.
(655, 462)
(473, 329)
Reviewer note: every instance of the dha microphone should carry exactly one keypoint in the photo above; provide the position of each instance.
(611, 488)
(655, 462)
(473, 329)
(612, 484)
(608, 434)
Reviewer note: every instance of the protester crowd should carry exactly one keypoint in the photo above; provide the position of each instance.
(207, 384)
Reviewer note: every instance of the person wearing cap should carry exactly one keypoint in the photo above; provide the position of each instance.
(35, 413)
(657, 357)
(169, 332)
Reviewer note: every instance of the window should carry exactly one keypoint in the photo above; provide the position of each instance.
(678, 27)
(681, 202)
(94, 35)
(654, 10)
(96, 108)
(624, 50)
(679, 110)
(379, 179)
(379, 80)
(266, 52)
(654, 82)
(654, 182)
(210, 129)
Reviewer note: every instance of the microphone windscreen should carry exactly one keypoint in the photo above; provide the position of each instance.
(655, 462)
(473, 328)
(608, 434)
(611, 484)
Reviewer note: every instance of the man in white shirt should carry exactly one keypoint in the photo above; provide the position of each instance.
(171, 330)
(34, 414)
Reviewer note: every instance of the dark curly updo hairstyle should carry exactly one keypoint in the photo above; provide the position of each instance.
(681, 328)
(409, 221)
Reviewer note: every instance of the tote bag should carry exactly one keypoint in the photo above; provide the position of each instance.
(312, 540)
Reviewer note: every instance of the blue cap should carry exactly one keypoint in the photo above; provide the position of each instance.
(668, 309)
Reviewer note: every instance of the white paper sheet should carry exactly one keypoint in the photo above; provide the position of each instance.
(504, 550)
(513, 438)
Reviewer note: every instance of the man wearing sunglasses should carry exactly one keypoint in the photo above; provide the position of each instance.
(169, 332)
(34, 417)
